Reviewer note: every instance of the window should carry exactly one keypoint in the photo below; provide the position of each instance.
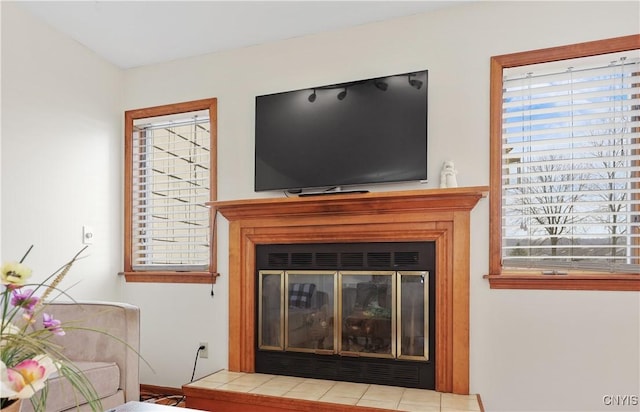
(565, 167)
(170, 175)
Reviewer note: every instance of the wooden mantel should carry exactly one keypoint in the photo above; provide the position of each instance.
(439, 215)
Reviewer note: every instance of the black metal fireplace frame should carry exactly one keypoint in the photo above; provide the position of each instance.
(374, 256)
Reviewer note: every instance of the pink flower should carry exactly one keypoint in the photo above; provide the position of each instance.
(24, 298)
(51, 324)
(25, 378)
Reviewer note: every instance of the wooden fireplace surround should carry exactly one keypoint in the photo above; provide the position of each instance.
(439, 215)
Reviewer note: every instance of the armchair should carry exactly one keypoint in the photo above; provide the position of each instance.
(110, 365)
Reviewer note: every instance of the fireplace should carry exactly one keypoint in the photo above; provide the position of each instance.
(358, 312)
(441, 216)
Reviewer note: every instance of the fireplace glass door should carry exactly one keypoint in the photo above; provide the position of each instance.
(381, 314)
(310, 311)
(412, 320)
(368, 321)
(271, 311)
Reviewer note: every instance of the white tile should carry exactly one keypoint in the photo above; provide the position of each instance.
(347, 393)
(307, 390)
(222, 376)
(418, 407)
(384, 393)
(236, 388)
(348, 389)
(319, 382)
(206, 385)
(378, 403)
(285, 385)
(288, 379)
(253, 379)
(452, 401)
(420, 395)
(270, 391)
(312, 387)
(310, 396)
(343, 400)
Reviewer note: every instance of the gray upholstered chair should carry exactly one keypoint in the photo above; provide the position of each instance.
(111, 365)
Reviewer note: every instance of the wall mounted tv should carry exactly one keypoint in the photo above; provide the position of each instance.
(360, 132)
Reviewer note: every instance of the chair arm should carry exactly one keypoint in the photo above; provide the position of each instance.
(114, 336)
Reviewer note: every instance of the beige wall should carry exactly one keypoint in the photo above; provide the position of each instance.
(530, 350)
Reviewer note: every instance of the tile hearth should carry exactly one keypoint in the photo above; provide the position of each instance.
(345, 393)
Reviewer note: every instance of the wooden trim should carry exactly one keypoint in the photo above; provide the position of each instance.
(171, 277)
(461, 198)
(566, 282)
(461, 236)
(498, 63)
(495, 168)
(636, 175)
(227, 401)
(572, 51)
(164, 390)
(173, 108)
(213, 180)
(129, 117)
(440, 215)
(128, 189)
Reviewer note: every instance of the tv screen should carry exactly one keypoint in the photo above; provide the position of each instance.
(360, 132)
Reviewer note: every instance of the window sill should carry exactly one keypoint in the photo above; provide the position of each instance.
(171, 277)
(611, 282)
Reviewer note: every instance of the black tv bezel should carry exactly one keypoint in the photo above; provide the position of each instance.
(342, 85)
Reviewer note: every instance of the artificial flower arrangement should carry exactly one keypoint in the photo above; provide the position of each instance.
(28, 355)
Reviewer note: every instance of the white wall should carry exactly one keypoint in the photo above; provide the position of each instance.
(530, 350)
(61, 157)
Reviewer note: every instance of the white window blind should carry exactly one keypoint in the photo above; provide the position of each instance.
(171, 184)
(571, 168)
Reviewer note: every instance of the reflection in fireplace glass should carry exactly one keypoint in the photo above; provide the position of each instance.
(368, 300)
(413, 322)
(271, 314)
(380, 314)
(310, 311)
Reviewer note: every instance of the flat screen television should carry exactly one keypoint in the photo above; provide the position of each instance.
(355, 133)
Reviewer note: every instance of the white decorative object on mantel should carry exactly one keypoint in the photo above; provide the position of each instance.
(448, 175)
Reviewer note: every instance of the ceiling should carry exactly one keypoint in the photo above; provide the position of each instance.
(137, 33)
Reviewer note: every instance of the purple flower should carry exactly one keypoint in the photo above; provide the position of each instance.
(24, 298)
(53, 325)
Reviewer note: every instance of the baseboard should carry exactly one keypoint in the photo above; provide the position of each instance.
(165, 390)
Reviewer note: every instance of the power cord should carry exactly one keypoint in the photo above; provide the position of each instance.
(214, 228)
(196, 362)
(193, 374)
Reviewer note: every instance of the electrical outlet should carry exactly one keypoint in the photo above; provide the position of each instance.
(87, 235)
(204, 353)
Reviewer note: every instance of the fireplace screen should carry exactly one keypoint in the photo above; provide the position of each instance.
(310, 311)
(350, 313)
